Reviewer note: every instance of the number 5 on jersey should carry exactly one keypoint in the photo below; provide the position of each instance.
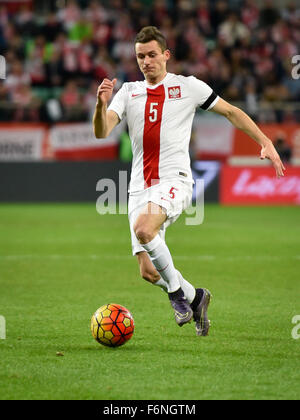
(153, 112)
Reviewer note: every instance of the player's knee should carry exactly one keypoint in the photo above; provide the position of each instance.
(143, 233)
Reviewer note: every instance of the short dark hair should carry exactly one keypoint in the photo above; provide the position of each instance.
(151, 33)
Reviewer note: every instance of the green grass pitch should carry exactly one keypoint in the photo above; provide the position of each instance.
(60, 262)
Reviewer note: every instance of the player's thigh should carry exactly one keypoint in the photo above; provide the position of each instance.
(173, 197)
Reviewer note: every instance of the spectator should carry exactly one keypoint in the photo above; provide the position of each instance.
(203, 17)
(269, 14)
(54, 70)
(68, 52)
(123, 31)
(26, 104)
(131, 73)
(185, 9)
(292, 85)
(137, 12)
(38, 52)
(5, 113)
(101, 33)
(71, 101)
(85, 64)
(81, 30)
(218, 14)
(159, 12)
(16, 77)
(103, 65)
(69, 15)
(252, 108)
(96, 13)
(52, 27)
(250, 14)
(232, 30)
(25, 22)
(291, 14)
(89, 99)
(169, 32)
(3, 16)
(4, 96)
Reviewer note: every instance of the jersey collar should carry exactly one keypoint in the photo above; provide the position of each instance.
(160, 83)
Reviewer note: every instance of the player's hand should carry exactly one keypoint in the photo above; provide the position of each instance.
(105, 91)
(268, 151)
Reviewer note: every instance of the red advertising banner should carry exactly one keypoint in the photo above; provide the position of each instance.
(22, 142)
(259, 185)
(217, 139)
(77, 141)
(14, 5)
(243, 145)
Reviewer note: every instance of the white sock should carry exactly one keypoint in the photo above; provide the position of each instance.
(188, 289)
(161, 258)
(162, 284)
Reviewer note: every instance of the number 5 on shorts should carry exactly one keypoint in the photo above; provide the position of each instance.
(172, 193)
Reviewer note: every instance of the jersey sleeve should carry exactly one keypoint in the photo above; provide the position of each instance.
(203, 94)
(118, 104)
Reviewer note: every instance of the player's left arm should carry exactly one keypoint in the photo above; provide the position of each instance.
(243, 122)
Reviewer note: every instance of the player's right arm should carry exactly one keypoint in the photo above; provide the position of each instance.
(104, 121)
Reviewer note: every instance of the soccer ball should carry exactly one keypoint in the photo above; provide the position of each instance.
(112, 325)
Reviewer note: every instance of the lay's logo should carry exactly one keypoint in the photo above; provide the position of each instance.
(174, 92)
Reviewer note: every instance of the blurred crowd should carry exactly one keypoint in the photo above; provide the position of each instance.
(56, 60)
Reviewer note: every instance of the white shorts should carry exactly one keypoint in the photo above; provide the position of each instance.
(173, 196)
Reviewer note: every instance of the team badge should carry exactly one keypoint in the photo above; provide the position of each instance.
(174, 92)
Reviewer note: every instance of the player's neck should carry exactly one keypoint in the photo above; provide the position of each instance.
(154, 81)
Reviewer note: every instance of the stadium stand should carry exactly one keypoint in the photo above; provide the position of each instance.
(58, 52)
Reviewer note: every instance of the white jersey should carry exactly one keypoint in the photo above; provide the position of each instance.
(159, 120)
